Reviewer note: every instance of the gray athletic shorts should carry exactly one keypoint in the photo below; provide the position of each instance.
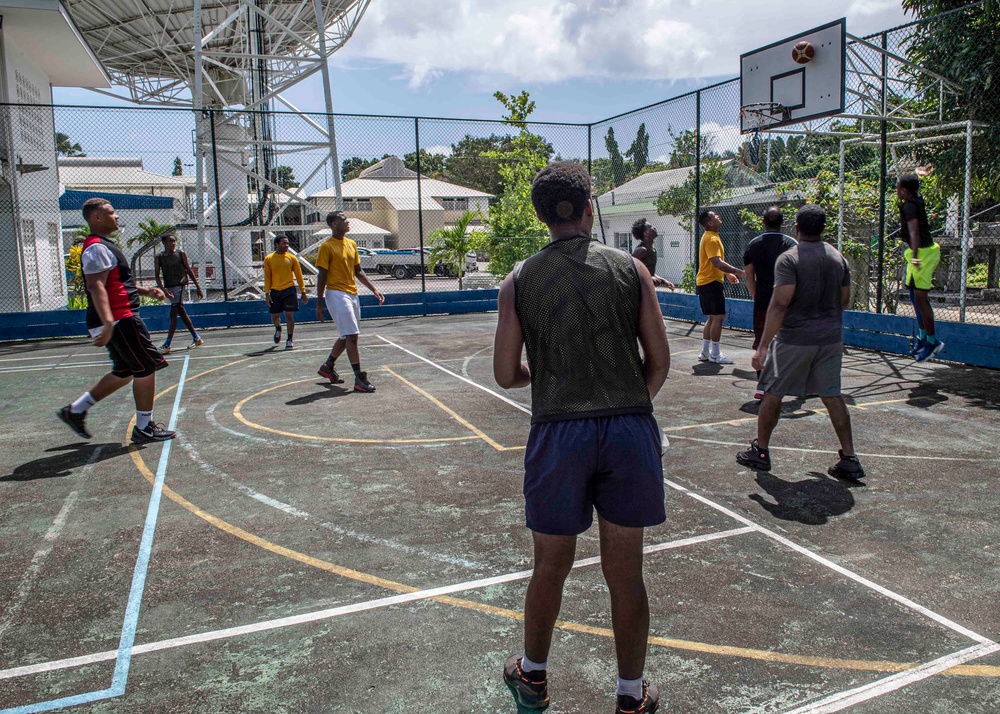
(174, 294)
(802, 370)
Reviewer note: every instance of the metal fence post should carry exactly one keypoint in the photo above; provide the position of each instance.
(218, 207)
(697, 179)
(420, 218)
(882, 181)
(966, 219)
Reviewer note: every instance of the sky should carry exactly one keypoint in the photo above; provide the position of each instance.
(581, 61)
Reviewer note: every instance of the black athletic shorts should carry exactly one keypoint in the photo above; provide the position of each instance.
(759, 318)
(132, 351)
(286, 300)
(713, 302)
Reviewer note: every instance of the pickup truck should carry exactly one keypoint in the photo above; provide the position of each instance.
(402, 264)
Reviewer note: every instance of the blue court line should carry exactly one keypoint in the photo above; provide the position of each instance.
(124, 660)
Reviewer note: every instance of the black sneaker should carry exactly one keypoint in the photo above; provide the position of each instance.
(330, 373)
(277, 335)
(361, 383)
(754, 458)
(76, 422)
(530, 689)
(848, 467)
(649, 703)
(152, 433)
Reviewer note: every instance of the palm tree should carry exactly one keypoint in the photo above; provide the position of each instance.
(149, 231)
(451, 245)
(66, 147)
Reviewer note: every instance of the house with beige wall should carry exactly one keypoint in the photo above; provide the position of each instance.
(386, 195)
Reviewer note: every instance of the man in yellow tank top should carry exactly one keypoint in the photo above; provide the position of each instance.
(712, 271)
(281, 272)
(339, 268)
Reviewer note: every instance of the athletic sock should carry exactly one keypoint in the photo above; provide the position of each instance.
(194, 336)
(705, 346)
(715, 349)
(167, 342)
(930, 339)
(82, 404)
(330, 361)
(631, 687)
(357, 370)
(142, 419)
(922, 335)
(528, 666)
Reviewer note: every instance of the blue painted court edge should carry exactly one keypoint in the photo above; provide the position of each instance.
(124, 659)
(977, 345)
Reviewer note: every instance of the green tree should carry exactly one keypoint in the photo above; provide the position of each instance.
(685, 148)
(66, 147)
(961, 46)
(471, 162)
(679, 200)
(451, 245)
(619, 171)
(431, 165)
(352, 167)
(284, 177)
(515, 232)
(178, 167)
(149, 231)
(638, 153)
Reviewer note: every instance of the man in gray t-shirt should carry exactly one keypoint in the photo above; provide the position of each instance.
(801, 350)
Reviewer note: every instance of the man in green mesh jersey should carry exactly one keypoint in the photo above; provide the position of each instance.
(581, 310)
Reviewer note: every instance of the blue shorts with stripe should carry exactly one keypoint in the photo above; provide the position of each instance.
(612, 463)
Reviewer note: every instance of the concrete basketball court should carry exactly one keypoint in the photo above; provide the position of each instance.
(303, 548)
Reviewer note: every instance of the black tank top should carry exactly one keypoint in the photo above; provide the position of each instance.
(174, 272)
(578, 304)
(649, 260)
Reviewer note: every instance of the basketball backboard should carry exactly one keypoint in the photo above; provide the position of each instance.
(807, 90)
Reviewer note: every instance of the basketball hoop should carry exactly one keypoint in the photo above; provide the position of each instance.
(757, 116)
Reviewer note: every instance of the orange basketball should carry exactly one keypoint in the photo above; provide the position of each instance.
(803, 52)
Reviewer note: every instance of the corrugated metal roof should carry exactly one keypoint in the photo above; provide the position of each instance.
(113, 171)
(73, 200)
(648, 186)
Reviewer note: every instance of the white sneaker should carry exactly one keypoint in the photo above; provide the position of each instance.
(289, 345)
(702, 357)
(721, 359)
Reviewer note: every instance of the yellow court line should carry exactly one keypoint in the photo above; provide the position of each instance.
(436, 402)
(702, 647)
(817, 410)
(237, 412)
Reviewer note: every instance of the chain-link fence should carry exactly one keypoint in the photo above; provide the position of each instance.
(434, 204)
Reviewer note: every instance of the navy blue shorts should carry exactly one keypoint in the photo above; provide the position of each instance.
(613, 464)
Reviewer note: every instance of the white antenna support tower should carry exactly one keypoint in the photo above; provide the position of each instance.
(234, 57)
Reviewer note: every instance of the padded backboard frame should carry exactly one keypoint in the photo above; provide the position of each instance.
(810, 91)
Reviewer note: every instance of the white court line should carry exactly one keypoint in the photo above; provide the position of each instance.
(333, 612)
(842, 700)
(16, 602)
(499, 396)
(930, 614)
(820, 451)
(906, 602)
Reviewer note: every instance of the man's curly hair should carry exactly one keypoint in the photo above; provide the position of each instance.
(639, 228)
(560, 192)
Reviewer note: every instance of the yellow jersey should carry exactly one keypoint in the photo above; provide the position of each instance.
(339, 256)
(711, 247)
(282, 271)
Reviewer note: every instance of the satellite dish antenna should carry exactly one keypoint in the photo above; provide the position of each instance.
(235, 58)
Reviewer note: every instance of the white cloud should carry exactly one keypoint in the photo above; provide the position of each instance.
(438, 149)
(555, 40)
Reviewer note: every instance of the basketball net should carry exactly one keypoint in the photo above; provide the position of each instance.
(759, 116)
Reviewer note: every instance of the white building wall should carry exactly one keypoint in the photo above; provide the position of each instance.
(672, 244)
(32, 220)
